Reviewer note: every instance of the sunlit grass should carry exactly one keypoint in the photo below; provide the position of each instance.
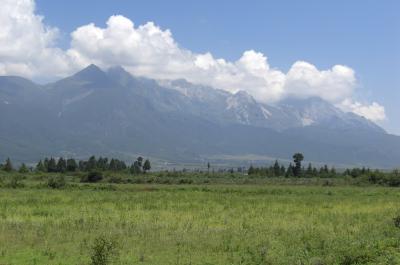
(216, 224)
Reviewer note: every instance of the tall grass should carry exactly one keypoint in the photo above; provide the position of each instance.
(195, 224)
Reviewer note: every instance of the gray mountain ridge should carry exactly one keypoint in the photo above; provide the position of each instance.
(114, 113)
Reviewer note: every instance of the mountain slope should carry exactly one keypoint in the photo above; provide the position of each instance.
(114, 113)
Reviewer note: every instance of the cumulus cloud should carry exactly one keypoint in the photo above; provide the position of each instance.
(149, 51)
(27, 47)
(374, 111)
(334, 85)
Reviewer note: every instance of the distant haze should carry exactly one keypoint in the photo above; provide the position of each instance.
(28, 48)
(110, 112)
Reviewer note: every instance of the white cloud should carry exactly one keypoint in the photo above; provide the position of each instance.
(305, 80)
(374, 112)
(149, 51)
(27, 47)
(26, 44)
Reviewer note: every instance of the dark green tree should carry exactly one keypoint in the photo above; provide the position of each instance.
(283, 171)
(46, 164)
(113, 165)
(23, 168)
(135, 168)
(277, 169)
(290, 171)
(121, 165)
(91, 163)
(40, 167)
(102, 163)
(297, 158)
(251, 170)
(309, 171)
(82, 165)
(52, 166)
(71, 165)
(61, 165)
(140, 161)
(8, 165)
(146, 166)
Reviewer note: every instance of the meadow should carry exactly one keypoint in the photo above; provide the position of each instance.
(204, 224)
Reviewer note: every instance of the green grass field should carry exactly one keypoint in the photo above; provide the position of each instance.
(201, 224)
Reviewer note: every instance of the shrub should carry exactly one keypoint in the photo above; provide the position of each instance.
(15, 182)
(165, 181)
(352, 259)
(104, 251)
(185, 181)
(138, 180)
(149, 180)
(92, 176)
(327, 183)
(396, 221)
(257, 255)
(116, 179)
(393, 180)
(23, 169)
(56, 182)
(105, 187)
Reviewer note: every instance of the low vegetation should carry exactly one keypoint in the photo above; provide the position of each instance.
(199, 224)
(104, 251)
(97, 216)
(113, 170)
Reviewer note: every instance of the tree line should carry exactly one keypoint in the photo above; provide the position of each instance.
(297, 170)
(141, 166)
(62, 165)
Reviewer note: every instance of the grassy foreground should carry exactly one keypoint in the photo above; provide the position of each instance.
(198, 224)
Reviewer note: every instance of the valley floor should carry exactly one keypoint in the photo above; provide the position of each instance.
(201, 224)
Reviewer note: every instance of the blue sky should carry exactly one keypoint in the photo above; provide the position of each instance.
(363, 35)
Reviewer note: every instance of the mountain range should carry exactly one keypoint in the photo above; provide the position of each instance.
(111, 112)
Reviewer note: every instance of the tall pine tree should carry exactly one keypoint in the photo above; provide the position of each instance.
(71, 165)
(277, 169)
(8, 165)
(52, 166)
(61, 165)
(297, 158)
(290, 171)
(23, 168)
(40, 167)
(146, 166)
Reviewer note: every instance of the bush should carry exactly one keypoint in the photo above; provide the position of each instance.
(164, 181)
(15, 182)
(104, 251)
(396, 221)
(137, 180)
(116, 179)
(56, 182)
(92, 177)
(393, 180)
(185, 181)
(353, 259)
(327, 183)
